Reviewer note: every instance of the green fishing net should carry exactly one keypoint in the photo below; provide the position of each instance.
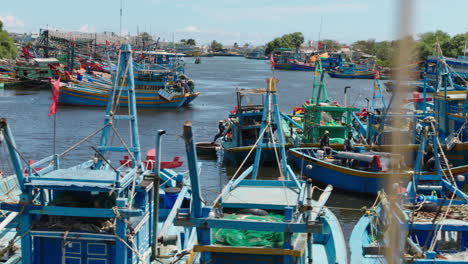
(337, 140)
(249, 238)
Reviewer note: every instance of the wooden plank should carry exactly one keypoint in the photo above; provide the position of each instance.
(249, 250)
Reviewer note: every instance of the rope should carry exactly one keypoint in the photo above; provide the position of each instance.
(440, 222)
(452, 180)
(20, 155)
(83, 140)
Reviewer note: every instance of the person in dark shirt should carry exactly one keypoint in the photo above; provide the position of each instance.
(220, 131)
(348, 146)
(349, 142)
(325, 143)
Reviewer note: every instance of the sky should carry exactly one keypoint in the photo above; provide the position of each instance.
(243, 21)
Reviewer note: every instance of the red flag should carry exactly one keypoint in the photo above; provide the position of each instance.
(272, 61)
(377, 74)
(107, 43)
(55, 96)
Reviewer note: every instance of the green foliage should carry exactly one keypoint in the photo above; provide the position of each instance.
(331, 45)
(428, 40)
(236, 45)
(292, 40)
(190, 42)
(455, 46)
(216, 46)
(8, 49)
(145, 36)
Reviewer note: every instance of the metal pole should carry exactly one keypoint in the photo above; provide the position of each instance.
(196, 207)
(346, 95)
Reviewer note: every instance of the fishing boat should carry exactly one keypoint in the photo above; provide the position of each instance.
(207, 149)
(260, 221)
(258, 54)
(427, 219)
(350, 71)
(360, 171)
(243, 127)
(157, 86)
(198, 60)
(308, 123)
(94, 212)
(286, 59)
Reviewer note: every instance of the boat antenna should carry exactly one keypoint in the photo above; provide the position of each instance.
(466, 42)
(120, 27)
(320, 30)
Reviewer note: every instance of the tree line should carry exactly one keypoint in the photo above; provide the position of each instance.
(385, 51)
(8, 49)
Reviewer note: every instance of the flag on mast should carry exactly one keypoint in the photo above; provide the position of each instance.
(55, 95)
(272, 61)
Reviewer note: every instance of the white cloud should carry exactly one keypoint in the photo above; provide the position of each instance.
(189, 29)
(12, 23)
(86, 29)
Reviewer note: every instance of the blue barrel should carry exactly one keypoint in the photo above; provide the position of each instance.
(170, 196)
(359, 149)
(79, 77)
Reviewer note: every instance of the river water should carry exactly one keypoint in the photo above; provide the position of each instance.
(216, 78)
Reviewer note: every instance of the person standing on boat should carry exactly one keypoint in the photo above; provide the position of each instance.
(349, 142)
(348, 146)
(325, 143)
(221, 129)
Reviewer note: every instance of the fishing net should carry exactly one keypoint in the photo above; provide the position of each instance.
(249, 238)
(337, 140)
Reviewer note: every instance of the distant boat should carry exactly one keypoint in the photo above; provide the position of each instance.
(286, 59)
(256, 55)
(73, 94)
(156, 85)
(349, 71)
(198, 60)
(295, 66)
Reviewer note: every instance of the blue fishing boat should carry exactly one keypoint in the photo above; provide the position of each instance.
(365, 172)
(459, 66)
(95, 212)
(243, 127)
(261, 221)
(350, 71)
(427, 219)
(157, 84)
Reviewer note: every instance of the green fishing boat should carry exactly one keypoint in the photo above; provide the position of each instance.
(317, 115)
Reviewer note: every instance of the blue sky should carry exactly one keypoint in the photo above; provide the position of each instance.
(228, 21)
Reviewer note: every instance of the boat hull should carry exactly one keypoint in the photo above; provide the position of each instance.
(90, 97)
(354, 180)
(335, 74)
(293, 67)
(338, 176)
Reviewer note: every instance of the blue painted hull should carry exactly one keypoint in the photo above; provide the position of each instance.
(96, 97)
(338, 176)
(350, 179)
(334, 74)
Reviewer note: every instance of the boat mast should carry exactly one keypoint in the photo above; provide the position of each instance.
(120, 26)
